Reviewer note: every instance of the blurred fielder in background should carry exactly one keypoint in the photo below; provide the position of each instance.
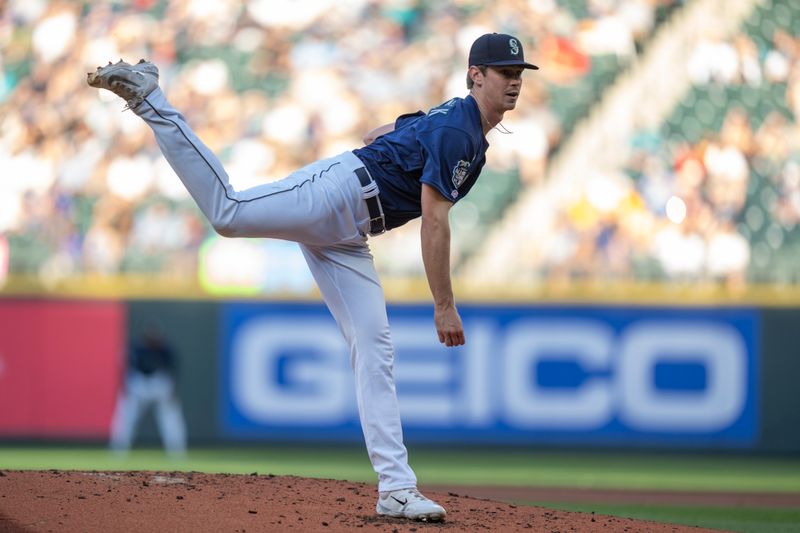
(420, 165)
(150, 380)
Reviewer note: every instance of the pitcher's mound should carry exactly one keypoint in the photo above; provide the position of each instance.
(41, 501)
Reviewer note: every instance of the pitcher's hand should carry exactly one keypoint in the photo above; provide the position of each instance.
(448, 326)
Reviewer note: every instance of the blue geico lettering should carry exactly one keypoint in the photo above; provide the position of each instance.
(500, 378)
(630, 390)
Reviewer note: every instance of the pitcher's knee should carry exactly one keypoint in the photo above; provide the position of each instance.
(374, 358)
(224, 227)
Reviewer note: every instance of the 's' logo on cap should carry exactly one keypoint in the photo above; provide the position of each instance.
(514, 46)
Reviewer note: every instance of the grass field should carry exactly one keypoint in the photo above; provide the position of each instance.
(482, 467)
(740, 519)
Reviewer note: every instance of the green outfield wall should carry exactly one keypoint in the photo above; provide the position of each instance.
(780, 380)
(192, 329)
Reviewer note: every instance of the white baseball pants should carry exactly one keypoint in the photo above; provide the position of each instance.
(142, 391)
(321, 207)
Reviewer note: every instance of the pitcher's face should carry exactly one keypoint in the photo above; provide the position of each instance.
(502, 86)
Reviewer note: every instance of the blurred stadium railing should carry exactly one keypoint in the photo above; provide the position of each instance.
(669, 129)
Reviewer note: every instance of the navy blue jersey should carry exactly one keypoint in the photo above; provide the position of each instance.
(444, 148)
(149, 357)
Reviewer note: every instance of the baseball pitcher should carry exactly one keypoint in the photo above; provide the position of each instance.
(418, 166)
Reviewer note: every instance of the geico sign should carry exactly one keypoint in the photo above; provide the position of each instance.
(282, 375)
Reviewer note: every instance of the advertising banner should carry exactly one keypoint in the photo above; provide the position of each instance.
(59, 367)
(576, 375)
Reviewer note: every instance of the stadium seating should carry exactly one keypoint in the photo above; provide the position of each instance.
(84, 214)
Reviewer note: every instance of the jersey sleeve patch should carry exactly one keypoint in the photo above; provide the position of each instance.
(460, 173)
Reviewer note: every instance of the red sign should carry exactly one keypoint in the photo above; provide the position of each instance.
(59, 367)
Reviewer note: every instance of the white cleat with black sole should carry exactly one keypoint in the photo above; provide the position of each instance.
(409, 503)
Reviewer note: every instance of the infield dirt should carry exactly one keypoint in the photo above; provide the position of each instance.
(43, 501)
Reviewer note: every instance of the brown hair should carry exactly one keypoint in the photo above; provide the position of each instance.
(470, 83)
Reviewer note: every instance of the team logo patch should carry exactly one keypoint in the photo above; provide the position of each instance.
(460, 173)
(514, 46)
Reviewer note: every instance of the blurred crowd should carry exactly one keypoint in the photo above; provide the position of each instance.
(269, 85)
(715, 193)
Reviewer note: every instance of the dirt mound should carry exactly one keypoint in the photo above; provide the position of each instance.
(41, 501)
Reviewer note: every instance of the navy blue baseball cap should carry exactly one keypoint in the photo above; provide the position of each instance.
(498, 50)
